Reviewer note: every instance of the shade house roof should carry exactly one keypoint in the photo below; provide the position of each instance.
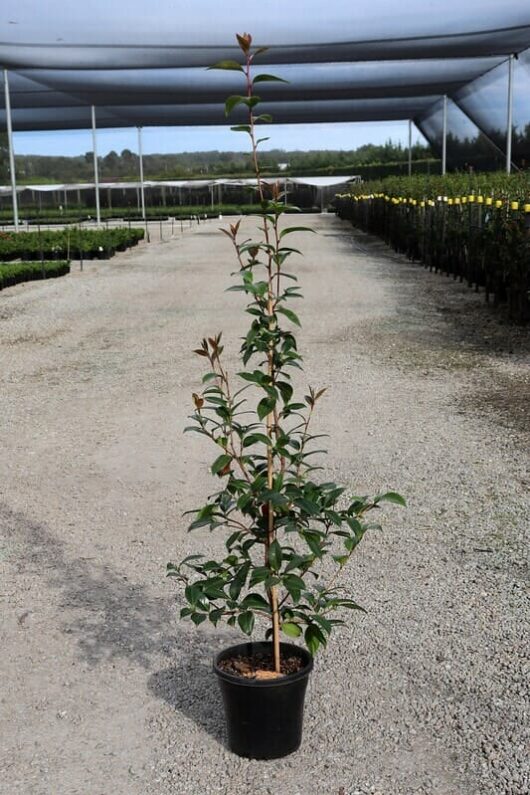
(144, 64)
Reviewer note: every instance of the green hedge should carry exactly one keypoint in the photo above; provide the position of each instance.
(474, 227)
(16, 272)
(76, 215)
(67, 243)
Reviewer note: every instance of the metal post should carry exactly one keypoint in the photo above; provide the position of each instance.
(410, 148)
(11, 151)
(96, 171)
(141, 162)
(444, 135)
(509, 121)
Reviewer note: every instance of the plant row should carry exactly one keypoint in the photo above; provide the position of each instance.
(71, 243)
(81, 214)
(475, 228)
(16, 272)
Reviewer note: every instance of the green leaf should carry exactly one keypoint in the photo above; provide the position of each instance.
(290, 229)
(254, 438)
(275, 556)
(351, 605)
(254, 601)
(220, 463)
(204, 517)
(238, 581)
(257, 377)
(232, 102)
(307, 506)
(391, 496)
(227, 65)
(240, 128)
(313, 542)
(292, 316)
(259, 574)
(198, 618)
(290, 629)
(294, 585)
(246, 622)
(326, 625)
(264, 78)
(285, 389)
(314, 638)
(265, 407)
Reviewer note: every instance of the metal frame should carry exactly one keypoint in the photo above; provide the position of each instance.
(11, 151)
(444, 135)
(509, 115)
(410, 148)
(141, 165)
(96, 169)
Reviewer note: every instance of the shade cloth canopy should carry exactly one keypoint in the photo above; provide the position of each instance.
(143, 64)
(188, 184)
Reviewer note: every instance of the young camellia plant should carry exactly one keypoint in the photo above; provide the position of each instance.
(284, 529)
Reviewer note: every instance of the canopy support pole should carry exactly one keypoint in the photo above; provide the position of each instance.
(444, 136)
(11, 151)
(141, 163)
(410, 148)
(96, 171)
(509, 120)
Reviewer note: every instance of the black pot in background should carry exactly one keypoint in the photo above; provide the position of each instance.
(264, 718)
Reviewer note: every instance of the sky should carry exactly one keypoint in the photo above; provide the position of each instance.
(165, 140)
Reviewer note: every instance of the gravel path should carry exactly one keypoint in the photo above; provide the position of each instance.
(104, 691)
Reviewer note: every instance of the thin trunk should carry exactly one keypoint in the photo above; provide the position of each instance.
(271, 533)
(273, 591)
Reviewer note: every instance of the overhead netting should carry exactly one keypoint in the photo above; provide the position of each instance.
(143, 64)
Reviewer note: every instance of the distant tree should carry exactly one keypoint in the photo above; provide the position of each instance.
(4, 158)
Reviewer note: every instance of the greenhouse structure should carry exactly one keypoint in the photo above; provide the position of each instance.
(462, 78)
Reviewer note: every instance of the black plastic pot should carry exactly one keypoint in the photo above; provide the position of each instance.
(264, 717)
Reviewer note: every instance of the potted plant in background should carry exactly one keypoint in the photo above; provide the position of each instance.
(288, 536)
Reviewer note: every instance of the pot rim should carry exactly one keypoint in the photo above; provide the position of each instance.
(246, 648)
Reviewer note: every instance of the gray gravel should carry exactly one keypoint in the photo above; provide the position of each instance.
(104, 690)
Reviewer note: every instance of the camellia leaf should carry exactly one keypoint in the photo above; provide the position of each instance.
(254, 601)
(246, 622)
(265, 407)
(241, 128)
(254, 438)
(290, 229)
(391, 496)
(314, 638)
(220, 463)
(232, 102)
(232, 66)
(264, 78)
(275, 556)
(290, 629)
(292, 316)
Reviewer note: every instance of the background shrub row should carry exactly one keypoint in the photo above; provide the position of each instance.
(76, 215)
(71, 243)
(16, 272)
(477, 231)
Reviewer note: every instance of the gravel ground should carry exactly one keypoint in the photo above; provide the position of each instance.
(104, 690)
